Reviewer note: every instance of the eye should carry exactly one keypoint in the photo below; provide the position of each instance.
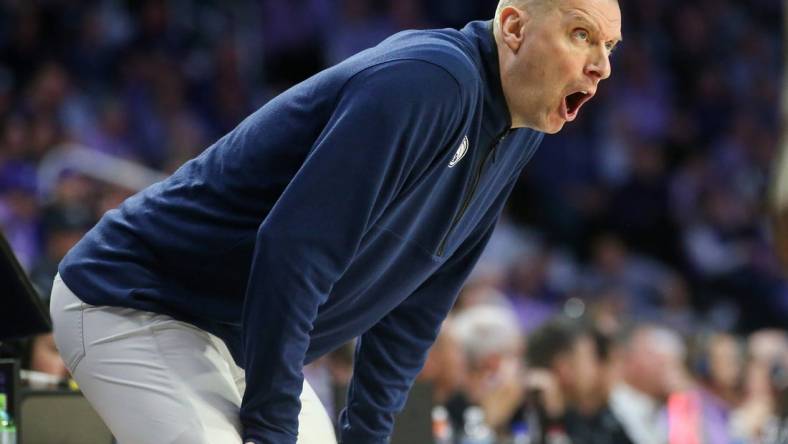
(610, 47)
(580, 34)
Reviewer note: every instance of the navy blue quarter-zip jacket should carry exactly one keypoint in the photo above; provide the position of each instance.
(353, 205)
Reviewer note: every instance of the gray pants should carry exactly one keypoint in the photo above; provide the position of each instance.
(155, 380)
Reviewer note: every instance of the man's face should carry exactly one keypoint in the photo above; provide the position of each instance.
(583, 375)
(552, 60)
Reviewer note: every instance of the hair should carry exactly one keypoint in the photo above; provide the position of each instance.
(560, 336)
(485, 330)
(653, 337)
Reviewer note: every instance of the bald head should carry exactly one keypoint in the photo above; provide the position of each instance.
(528, 5)
(531, 6)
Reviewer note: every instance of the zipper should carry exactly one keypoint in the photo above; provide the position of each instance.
(469, 196)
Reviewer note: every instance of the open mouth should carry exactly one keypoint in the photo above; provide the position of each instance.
(572, 104)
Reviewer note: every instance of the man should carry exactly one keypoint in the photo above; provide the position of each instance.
(492, 343)
(652, 361)
(569, 375)
(352, 205)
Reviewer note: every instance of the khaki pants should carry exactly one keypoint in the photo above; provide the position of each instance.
(155, 380)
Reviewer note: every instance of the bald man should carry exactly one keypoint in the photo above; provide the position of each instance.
(353, 205)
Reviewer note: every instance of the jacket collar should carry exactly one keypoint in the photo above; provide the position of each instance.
(497, 117)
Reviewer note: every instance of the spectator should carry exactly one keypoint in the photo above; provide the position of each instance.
(493, 345)
(719, 362)
(44, 357)
(651, 369)
(39, 359)
(570, 375)
(758, 418)
(615, 266)
(64, 226)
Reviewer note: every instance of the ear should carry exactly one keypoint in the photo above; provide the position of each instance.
(512, 23)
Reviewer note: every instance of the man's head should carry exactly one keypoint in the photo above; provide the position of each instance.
(576, 355)
(653, 360)
(488, 334)
(553, 54)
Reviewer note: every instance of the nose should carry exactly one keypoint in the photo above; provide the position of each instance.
(598, 66)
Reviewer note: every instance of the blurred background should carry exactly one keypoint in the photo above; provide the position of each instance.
(630, 294)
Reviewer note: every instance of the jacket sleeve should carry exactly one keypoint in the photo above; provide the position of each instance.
(385, 116)
(391, 354)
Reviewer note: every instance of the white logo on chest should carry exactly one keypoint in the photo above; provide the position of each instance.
(461, 151)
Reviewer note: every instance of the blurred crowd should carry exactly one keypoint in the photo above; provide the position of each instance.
(631, 288)
(569, 381)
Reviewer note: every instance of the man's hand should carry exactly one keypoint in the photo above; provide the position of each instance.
(543, 382)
